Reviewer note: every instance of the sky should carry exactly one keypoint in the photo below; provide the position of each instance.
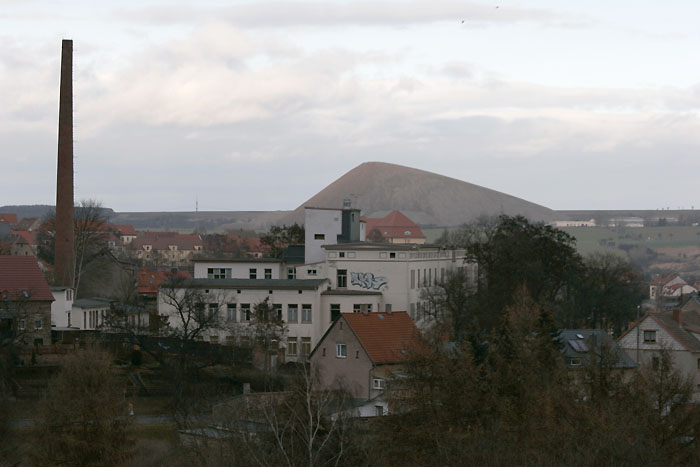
(259, 104)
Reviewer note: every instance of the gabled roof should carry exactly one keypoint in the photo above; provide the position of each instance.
(20, 274)
(26, 236)
(163, 240)
(393, 225)
(387, 337)
(124, 229)
(663, 279)
(681, 333)
(8, 218)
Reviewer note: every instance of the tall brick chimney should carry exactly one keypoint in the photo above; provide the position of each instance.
(64, 267)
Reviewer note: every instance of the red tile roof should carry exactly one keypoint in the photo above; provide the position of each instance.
(149, 280)
(393, 225)
(162, 240)
(8, 218)
(27, 236)
(124, 229)
(387, 337)
(663, 279)
(22, 273)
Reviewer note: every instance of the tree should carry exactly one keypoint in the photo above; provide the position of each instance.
(268, 330)
(278, 238)
(84, 415)
(607, 293)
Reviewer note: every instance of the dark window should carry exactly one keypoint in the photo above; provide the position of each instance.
(649, 336)
(319, 236)
(268, 273)
(342, 278)
(253, 273)
(335, 311)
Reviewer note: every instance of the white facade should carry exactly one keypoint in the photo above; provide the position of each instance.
(61, 307)
(89, 313)
(299, 302)
(237, 269)
(323, 226)
(399, 272)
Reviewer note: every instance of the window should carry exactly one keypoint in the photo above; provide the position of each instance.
(575, 362)
(21, 324)
(268, 273)
(306, 313)
(231, 312)
(292, 346)
(291, 273)
(245, 311)
(387, 308)
(213, 309)
(413, 278)
(292, 313)
(392, 255)
(253, 273)
(649, 336)
(357, 354)
(324, 351)
(319, 236)
(342, 278)
(362, 308)
(341, 351)
(277, 307)
(377, 383)
(356, 308)
(379, 410)
(218, 273)
(38, 323)
(335, 311)
(311, 272)
(305, 346)
(341, 254)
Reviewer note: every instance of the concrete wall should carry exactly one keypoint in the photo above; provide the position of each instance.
(61, 307)
(317, 222)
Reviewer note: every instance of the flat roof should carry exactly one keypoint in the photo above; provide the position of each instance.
(309, 284)
(237, 260)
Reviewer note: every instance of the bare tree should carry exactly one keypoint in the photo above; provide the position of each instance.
(84, 415)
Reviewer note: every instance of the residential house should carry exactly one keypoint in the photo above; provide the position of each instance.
(166, 248)
(23, 243)
(62, 307)
(574, 223)
(584, 347)
(362, 352)
(25, 301)
(395, 227)
(676, 331)
(90, 313)
(126, 233)
(662, 282)
(8, 219)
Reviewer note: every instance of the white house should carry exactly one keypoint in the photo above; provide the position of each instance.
(676, 331)
(61, 307)
(89, 313)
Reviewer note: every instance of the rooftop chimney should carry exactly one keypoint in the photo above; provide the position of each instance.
(64, 250)
(677, 316)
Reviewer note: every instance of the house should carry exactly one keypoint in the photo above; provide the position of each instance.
(676, 331)
(126, 233)
(25, 301)
(62, 306)
(8, 218)
(361, 352)
(661, 282)
(23, 243)
(574, 223)
(395, 227)
(90, 313)
(583, 347)
(166, 248)
(678, 290)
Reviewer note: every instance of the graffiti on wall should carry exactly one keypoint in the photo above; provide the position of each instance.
(366, 280)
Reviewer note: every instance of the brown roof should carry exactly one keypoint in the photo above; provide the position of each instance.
(21, 273)
(162, 240)
(663, 279)
(149, 280)
(124, 229)
(387, 337)
(393, 225)
(680, 332)
(8, 218)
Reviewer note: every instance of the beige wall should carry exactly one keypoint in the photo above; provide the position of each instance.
(352, 373)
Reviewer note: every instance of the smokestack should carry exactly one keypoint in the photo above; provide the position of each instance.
(64, 267)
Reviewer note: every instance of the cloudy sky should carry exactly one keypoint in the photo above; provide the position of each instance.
(259, 104)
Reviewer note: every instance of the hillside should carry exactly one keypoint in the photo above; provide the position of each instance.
(427, 198)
